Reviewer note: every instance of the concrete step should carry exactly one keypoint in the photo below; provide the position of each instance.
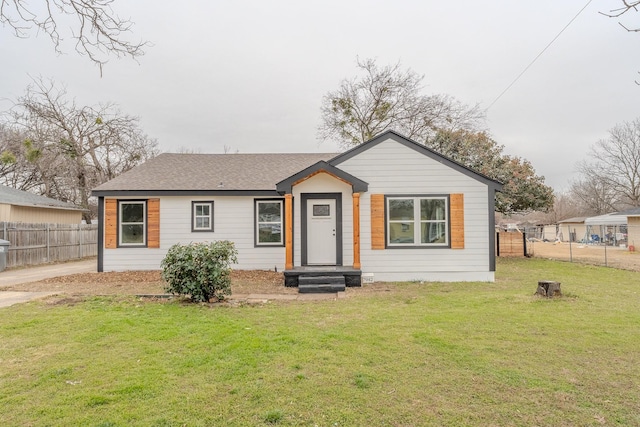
(321, 288)
(315, 280)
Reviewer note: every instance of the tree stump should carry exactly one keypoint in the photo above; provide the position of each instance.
(548, 288)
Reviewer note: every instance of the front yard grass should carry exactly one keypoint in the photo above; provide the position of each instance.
(471, 354)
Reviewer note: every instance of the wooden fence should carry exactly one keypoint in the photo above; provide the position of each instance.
(32, 244)
(511, 244)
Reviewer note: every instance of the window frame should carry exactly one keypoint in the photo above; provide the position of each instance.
(257, 222)
(196, 203)
(418, 221)
(144, 223)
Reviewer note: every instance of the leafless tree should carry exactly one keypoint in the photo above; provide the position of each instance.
(73, 148)
(390, 97)
(594, 195)
(97, 30)
(627, 6)
(613, 173)
(565, 205)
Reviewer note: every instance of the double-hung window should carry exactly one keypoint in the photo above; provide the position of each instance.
(132, 224)
(417, 221)
(269, 223)
(202, 216)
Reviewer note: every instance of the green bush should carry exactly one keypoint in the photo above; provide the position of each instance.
(199, 270)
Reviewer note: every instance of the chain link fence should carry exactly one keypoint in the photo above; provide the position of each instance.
(610, 246)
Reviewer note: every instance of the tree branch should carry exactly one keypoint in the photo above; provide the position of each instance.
(100, 32)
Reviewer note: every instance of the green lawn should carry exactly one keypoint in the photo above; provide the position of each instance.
(469, 354)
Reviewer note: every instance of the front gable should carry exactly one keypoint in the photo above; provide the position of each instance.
(286, 185)
(419, 149)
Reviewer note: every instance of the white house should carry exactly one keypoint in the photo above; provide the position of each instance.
(390, 209)
(22, 206)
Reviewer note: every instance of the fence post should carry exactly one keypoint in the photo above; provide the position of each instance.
(80, 241)
(570, 248)
(48, 242)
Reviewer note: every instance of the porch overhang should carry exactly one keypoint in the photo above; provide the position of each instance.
(286, 185)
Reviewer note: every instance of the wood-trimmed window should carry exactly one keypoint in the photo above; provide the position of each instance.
(202, 216)
(417, 221)
(269, 222)
(132, 223)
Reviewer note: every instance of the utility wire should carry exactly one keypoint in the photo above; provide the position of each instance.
(538, 56)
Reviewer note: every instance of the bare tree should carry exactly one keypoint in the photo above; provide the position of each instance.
(390, 98)
(98, 31)
(627, 6)
(565, 205)
(70, 148)
(594, 195)
(613, 173)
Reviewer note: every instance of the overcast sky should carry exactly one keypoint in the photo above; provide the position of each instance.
(251, 75)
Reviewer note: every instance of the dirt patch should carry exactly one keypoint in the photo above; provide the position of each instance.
(149, 283)
(611, 256)
(63, 300)
(243, 282)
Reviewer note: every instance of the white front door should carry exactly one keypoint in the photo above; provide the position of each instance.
(321, 232)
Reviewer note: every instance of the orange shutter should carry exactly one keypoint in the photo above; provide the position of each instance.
(377, 221)
(153, 225)
(110, 223)
(288, 234)
(356, 231)
(456, 209)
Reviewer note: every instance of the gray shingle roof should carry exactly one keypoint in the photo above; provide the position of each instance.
(12, 196)
(630, 212)
(176, 172)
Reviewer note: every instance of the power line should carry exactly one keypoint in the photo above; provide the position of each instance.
(538, 56)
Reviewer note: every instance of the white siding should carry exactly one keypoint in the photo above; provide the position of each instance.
(391, 168)
(233, 219)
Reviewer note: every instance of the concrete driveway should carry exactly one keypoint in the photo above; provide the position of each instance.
(34, 274)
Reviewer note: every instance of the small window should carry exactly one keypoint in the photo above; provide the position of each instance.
(321, 210)
(417, 221)
(132, 223)
(269, 223)
(202, 216)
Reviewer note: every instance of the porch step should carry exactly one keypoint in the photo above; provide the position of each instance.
(321, 288)
(320, 284)
(331, 275)
(310, 279)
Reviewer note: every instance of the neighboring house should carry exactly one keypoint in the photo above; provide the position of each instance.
(633, 227)
(573, 229)
(389, 208)
(21, 206)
